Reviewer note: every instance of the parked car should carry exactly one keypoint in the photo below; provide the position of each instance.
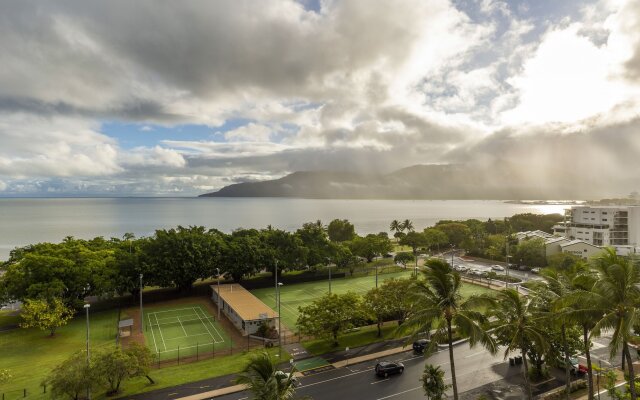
(497, 267)
(420, 345)
(535, 270)
(285, 375)
(574, 367)
(460, 268)
(386, 368)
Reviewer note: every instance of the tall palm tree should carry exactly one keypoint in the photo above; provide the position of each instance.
(396, 226)
(559, 287)
(585, 311)
(264, 381)
(617, 294)
(518, 326)
(437, 305)
(407, 225)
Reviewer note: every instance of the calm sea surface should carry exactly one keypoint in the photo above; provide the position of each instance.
(25, 221)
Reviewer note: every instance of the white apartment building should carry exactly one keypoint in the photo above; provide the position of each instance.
(617, 226)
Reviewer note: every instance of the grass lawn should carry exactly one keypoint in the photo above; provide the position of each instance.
(30, 354)
(185, 373)
(361, 337)
(294, 296)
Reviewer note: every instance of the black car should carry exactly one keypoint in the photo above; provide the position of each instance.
(420, 345)
(386, 368)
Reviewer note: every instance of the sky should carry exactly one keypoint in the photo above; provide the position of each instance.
(179, 98)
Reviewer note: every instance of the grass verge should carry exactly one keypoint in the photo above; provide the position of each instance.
(363, 336)
(192, 372)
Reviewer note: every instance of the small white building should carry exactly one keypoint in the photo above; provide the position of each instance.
(580, 249)
(243, 309)
(552, 245)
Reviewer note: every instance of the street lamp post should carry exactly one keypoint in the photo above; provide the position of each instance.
(219, 299)
(329, 267)
(452, 251)
(141, 311)
(86, 307)
(279, 324)
(376, 267)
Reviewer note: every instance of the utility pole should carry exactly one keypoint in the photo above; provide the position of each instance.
(279, 324)
(86, 307)
(219, 298)
(141, 311)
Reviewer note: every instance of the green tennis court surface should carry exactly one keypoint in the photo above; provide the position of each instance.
(183, 331)
(301, 294)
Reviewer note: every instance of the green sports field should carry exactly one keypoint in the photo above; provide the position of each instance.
(184, 330)
(294, 296)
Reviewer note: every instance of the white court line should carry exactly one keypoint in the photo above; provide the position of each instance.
(183, 316)
(152, 334)
(214, 328)
(188, 347)
(182, 326)
(160, 329)
(182, 337)
(205, 327)
(175, 309)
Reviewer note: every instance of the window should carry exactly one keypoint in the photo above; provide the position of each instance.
(604, 219)
(604, 213)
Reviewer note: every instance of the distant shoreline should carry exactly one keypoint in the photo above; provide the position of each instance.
(547, 202)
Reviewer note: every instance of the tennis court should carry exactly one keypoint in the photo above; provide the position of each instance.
(294, 296)
(183, 331)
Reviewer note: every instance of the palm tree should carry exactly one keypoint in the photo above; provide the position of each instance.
(518, 326)
(584, 310)
(433, 382)
(558, 288)
(408, 225)
(437, 305)
(264, 381)
(396, 226)
(616, 293)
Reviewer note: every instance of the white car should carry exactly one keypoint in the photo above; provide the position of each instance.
(497, 267)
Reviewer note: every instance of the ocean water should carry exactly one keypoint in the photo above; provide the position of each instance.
(26, 221)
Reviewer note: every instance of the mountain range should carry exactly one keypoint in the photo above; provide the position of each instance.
(446, 181)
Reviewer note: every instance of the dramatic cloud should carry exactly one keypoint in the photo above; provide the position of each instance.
(183, 97)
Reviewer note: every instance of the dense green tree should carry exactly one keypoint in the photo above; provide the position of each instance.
(264, 381)
(330, 315)
(141, 360)
(179, 257)
(241, 255)
(435, 238)
(314, 237)
(377, 307)
(342, 257)
(395, 291)
(437, 305)
(47, 315)
(531, 252)
(403, 258)
(370, 246)
(496, 246)
(284, 248)
(73, 378)
(341, 230)
(395, 226)
(563, 261)
(433, 382)
(456, 232)
(415, 240)
(517, 326)
(112, 367)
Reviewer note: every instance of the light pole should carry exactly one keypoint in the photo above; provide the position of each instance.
(218, 271)
(329, 267)
(376, 267)
(276, 282)
(452, 251)
(141, 311)
(86, 307)
(279, 324)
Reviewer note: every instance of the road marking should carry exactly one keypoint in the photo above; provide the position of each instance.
(382, 380)
(336, 378)
(399, 393)
(475, 354)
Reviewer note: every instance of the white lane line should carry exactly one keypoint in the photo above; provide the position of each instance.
(182, 326)
(336, 378)
(399, 393)
(213, 326)
(475, 354)
(382, 380)
(205, 327)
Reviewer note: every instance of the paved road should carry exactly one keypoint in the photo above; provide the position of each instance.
(475, 367)
(486, 267)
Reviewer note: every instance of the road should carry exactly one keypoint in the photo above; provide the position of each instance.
(486, 267)
(475, 367)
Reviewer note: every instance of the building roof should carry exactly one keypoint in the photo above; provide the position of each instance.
(246, 305)
(536, 233)
(555, 240)
(574, 242)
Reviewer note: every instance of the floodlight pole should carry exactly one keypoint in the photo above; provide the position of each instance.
(86, 307)
(329, 266)
(279, 322)
(376, 267)
(141, 310)
(219, 299)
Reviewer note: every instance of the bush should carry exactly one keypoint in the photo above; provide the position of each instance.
(560, 394)
(266, 331)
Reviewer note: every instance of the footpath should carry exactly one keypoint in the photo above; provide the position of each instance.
(220, 386)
